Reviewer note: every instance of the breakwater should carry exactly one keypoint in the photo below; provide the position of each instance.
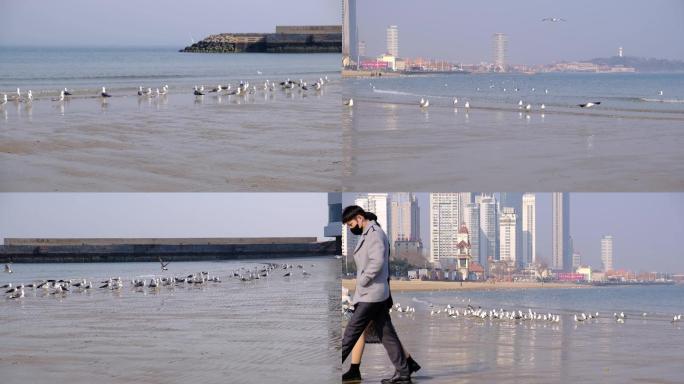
(295, 39)
(91, 253)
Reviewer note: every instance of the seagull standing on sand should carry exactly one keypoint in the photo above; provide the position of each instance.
(66, 92)
(29, 96)
(520, 104)
(455, 100)
(104, 93)
(528, 107)
(349, 103)
(424, 103)
(543, 107)
(197, 92)
(467, 105)
(4, 99)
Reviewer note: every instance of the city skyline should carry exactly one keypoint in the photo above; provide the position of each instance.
(594, 215)
(463, 33)
(135, 215)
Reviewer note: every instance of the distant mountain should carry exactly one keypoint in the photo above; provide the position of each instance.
(642, 64)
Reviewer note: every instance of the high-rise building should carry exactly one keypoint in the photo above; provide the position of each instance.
(349, 31)
(507, 237)
(334, 226)
(620, 52)
(471, 219)
(560, 234)
(377, 203)
(515, 200)
(576, 260)
(362, 48)
(489, 230)
(445, 220)
(529, 229)
(405, 217)
(500, 45)
(607, 252)
(393, 40)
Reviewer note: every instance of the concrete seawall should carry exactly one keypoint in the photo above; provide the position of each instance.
(152, 252)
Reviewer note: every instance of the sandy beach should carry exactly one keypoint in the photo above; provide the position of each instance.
(419, 286)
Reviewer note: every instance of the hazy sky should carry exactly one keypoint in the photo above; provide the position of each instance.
(647, 227)
(462, 30)
(162, 214)
(150, 22)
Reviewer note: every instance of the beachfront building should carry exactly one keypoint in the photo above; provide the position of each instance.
(529, 229)
(489, 228)
(393, 40)
(377, 203)
(507, 237)
(349, 33)
(463, 256)
(500, 46)
(471, 219)
(390, 60)
(585, 271)
(576, 260)
(404, 217)
(561, 258)
(514, 200)
(607, 252)
(445, 220)
(334, 226)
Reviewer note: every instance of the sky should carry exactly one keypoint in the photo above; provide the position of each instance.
(461, 31)
(163, 214)
(646, 227)
(150, 22)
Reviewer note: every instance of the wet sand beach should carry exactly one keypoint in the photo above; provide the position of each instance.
(471, 350)
(266, 331)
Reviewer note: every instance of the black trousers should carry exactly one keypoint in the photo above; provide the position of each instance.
(364, 313)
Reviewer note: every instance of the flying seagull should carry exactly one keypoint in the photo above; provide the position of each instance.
(163, 265)
(553, 19)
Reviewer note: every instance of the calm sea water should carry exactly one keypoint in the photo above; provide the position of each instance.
(630, 142)
(264, 331)
(170, 143)
(465, 350)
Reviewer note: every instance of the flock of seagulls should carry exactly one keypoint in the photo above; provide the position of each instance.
(241, 89)
(500, 314)
(63, 287)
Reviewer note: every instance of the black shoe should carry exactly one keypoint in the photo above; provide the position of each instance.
(413, 366)
(351, 376)
(397, 379)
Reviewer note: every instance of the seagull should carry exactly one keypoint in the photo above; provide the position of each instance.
(197, 92)
(287, 274)
(528, 107)
(104, 93)
(163, 265)
(553, 19)
(4, 99)
(16, 295)
(424, 103)
(520, 104)
(15, 289)
(455, 100)
(349, 102)
(467, 105)
(140, 91)
(29, 96)
(543, 106)
(8, 269)
(660, 93)
(589, 104)
(66, 92)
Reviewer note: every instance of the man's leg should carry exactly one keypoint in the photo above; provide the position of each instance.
(363, 314)
(390, 340)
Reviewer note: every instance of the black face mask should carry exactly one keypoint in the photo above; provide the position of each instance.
(356, 230)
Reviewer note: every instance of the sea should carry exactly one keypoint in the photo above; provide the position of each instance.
(176, 142)
(646, 348)
(271, 330)
(630, 142)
